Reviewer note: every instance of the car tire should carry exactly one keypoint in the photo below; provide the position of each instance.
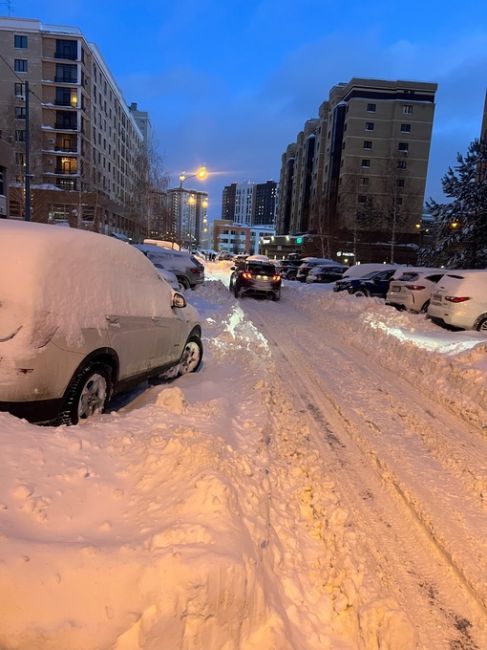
(236, 291)
(88, 394)
(276, 296)
(231, 283)
(360, 293)
(482, 325)
(192, 355)
(184, 282)
(424, 308)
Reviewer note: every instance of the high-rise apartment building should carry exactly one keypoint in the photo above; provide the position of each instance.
(228, 202)
(483, 131)
(250, 203)
(188, 215)
(85, 144)
(355, 178)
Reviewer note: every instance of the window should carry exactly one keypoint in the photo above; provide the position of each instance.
(407, 109)
(362, 198)
(20, 65)
(402, 164)
(66, 49)
(364, 181)
(19, 135)
(20, 42)
(66, 97)
(365, 163)
(19, 158)
(20, 90)
(66, 73)
(405, 128)
(400, 182)
(2, 181)
(371, 108)
(20, 112)
(367, 144)
(369, 126)
(403, 146)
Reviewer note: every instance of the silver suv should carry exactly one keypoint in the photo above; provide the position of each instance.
(188, 270)
(83, 316)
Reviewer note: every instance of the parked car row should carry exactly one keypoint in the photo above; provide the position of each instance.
(187, 269)
(456, 299)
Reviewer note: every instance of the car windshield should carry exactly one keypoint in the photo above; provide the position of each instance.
(262, 269)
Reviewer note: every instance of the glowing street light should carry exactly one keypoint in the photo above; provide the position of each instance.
(201, 174)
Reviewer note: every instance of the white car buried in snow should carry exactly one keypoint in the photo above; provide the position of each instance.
(83, 316)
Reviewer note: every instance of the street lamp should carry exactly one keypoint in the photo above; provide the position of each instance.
(201, 174)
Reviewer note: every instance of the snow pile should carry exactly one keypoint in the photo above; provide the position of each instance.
(450, 366)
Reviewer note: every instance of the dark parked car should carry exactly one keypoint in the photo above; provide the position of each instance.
(308, 263)
(255, 276)
(326, 273)
(289, 268)
(373, 284)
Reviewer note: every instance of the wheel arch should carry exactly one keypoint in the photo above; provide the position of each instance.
(480, 319)
(108, 356)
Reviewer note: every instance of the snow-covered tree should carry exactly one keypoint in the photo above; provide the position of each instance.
(461, 238)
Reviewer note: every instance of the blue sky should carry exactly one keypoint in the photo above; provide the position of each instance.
(230, 83)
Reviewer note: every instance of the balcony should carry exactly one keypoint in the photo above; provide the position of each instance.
(66, 54)
(66, 149)
(65, 79)
(65, 126)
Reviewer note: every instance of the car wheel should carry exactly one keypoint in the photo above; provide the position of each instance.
(183, 281)
(482, 325)
(424, 308)
(236, 291)
(360, 293)
(276, 296)
(88, 393)
(231, 283)
(192, 355)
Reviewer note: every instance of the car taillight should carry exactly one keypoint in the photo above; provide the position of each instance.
(276, 277)
(415, 287)
(246, 275)
(195, 270)
(457, 298)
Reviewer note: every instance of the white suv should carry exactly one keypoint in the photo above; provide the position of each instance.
(412, 288)
(83, 316)
(460, 300)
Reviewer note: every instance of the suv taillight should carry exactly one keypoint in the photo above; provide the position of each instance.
(193, 270)
(246, 275)
(457, 298)
(415, 287)
(276, 277)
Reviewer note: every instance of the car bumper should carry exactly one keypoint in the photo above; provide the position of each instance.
(40, 411)
(458, 318)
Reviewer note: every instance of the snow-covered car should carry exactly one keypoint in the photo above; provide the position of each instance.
(169, 277)
(308, 263)
(83, 316)
(374, 284)
(460, 300)
(189, 271)
(325, 273)
(412, 289)
(289, 268)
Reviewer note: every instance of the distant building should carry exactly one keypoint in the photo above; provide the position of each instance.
(228, 202)
(483, 132)
(143, 122)
(5, 170)
(264, 204)
(187, 216)
(354, 179)
(231, 237)
(85, 143)
(244, 196)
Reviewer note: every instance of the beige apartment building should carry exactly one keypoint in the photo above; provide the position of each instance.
(85, 145)
(358, 171)
(187, 212)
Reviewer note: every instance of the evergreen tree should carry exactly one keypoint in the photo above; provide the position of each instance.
(461, 237)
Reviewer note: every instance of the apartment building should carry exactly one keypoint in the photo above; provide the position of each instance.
(85, 144)
(356, 175)
(250, 204)
(188, 216)
(231, 237)
(5, 170)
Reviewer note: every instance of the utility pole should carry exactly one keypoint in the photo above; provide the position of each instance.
(27, 154)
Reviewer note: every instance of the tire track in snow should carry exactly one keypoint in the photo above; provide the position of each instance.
(430, 571)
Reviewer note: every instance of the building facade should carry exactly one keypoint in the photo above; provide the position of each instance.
(228, 202)
(230, 237)
(6, 165)
(355, 178)
(85, 144)
(264, 204)
(188, 216)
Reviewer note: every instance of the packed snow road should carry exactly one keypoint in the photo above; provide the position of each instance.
(319, 484)
(412, 472)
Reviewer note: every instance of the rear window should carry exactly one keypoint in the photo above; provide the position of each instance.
(408, 277)
(262, 269)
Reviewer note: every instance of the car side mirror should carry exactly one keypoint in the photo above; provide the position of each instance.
(178, 301)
